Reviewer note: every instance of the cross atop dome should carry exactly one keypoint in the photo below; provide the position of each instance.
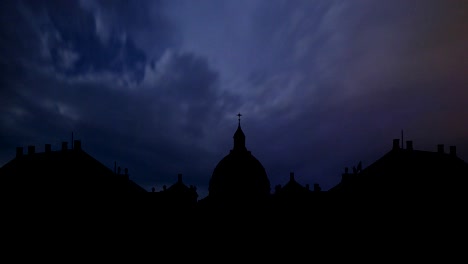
(239, 137)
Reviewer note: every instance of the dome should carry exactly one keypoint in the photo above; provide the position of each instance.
(239, 175)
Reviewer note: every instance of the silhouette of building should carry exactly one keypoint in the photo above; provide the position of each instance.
(239, 179)
(177, 197)
(408, 171)
(68, 170)
(296, 197)
(291, 194)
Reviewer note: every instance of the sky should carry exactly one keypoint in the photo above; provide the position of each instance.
(156, 86)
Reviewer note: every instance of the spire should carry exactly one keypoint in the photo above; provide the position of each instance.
(239, 137)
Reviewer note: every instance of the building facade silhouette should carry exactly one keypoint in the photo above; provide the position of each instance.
(67, 170)
(407, 171)
(239, 180)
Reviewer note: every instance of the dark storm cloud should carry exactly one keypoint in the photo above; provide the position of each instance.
(337, 80)
(156, 125)
(155, 85)
(144, 22)
(149, 110)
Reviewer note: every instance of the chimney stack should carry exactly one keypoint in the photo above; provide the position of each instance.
(317, 187)
(409, 145)
(31, 150)
(48, 148)
(77, 144)
(291, 176)
(453, 151)
(396, 143)
(64, 146)
(440, 148)
(345, 175)
(179, 177)
(19, 152)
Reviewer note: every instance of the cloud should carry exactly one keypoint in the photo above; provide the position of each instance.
(144, 22)
(151, 111)
(334, 80)
(155, 85)
(68, 58)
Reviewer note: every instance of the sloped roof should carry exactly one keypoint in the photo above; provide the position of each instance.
(62, 171)
(408, 170)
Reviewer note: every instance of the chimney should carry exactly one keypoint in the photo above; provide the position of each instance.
(307, 186)
(126, 173)
(345, 175)
(77, 144)
(317, 187)
(48, 148)
(453, 151)
(31, 150)
(396, 143)
(440, 148)
(291, 176)
(409, 145)
(64, 146)
(19, 152)
(179, 178)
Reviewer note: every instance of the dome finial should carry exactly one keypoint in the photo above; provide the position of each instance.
(238, 117)
(239, 137)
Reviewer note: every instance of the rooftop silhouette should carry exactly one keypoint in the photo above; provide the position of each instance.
(67, 170)
(239, 181)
